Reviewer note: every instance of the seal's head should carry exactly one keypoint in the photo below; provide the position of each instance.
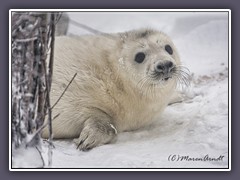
(152, 58)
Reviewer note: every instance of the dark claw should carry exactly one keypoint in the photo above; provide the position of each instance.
(86, 149)
(80, 143)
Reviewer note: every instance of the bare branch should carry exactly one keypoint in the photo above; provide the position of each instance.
(64, 91)
(40, 129)
(40, 154)
(26, 40)
(48, 106)
(50, 68)
(94, 31)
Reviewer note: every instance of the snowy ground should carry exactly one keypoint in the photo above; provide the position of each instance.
(197, 127)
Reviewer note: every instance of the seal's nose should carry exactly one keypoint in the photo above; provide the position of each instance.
(164, 67)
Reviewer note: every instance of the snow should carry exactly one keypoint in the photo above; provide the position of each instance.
(197, 127)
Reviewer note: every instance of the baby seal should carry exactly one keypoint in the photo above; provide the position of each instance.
(123, 80)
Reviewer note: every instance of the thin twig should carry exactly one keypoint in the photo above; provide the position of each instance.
(26, 40)
(49, 143)
(40, 129)
(83, 26)
(48, 106)
(51, 60)
(41, 156)
(58, 18)
(64, 91)
(89, 29)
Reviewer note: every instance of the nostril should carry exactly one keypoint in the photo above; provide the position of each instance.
(164, 67)
(169, 64)
(160, 67)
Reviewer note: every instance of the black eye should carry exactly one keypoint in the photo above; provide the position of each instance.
(169, 49)
(139, 58)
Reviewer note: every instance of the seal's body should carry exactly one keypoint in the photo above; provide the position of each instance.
(123, 80)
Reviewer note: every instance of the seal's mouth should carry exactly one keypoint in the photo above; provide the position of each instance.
(178, 74)
(161, 77)
(166, 78)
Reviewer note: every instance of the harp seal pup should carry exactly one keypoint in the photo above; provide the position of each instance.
(123, 81)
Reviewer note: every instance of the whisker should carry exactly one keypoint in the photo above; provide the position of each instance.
(182, 75)
(148, 86)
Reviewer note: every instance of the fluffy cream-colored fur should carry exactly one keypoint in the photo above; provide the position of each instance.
(110, 86)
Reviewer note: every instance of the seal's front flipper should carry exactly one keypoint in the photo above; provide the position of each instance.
(95, 132)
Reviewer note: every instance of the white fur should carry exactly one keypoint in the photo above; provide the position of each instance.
(107, 79)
